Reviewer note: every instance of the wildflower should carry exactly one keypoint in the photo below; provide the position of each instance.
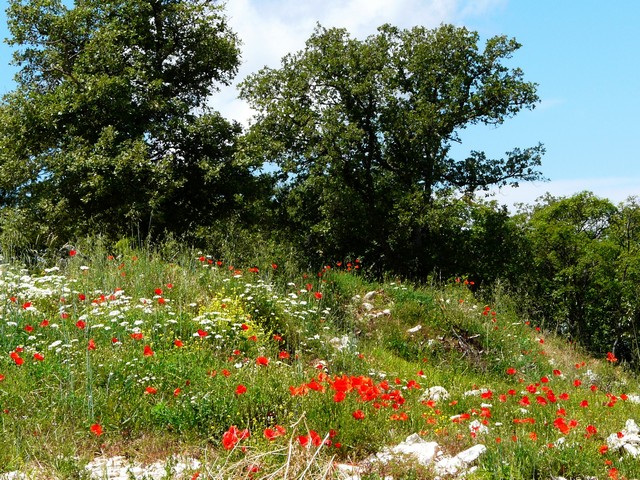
(38, 356)
(81, 325)
(273, 433)
(339, 397)
(611, 357)
(584, 404)
(177, 391)
(150, 391)
(283, 355)
(262, 361)
(28, 328)
(358, 415)
(511, 371)
(16, 358)
(178, 343)
(96, 429)
(240, 389)
(137, 336)
(225, 372)
(318, 295)
(577, 383)
(603, 449)
(244, 326)
(232, 436)
(91, 345)
(72, 253)
(147, 351)
(202, 333)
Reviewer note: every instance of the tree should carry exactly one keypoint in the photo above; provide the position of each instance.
(585, 270)
(109, 128)
(361, 131)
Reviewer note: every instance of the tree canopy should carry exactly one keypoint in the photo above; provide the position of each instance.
(109, 125)
(362, 132)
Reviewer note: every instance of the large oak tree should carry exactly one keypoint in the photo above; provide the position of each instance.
(108, 128)
(361, 132)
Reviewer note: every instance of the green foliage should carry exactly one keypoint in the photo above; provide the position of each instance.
(108, 129)
(583, 271)
(361, 132)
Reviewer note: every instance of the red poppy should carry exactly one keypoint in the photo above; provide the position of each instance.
(38, 356)
(16, 358)
(358, 415)
(81, 325)
(275, 432)
(177, 391)
(240, 389)
(158, 291)
(147, 351)
(244, 326)
(339, 397)
(44, 323)
(137, 336)
(318, 295)
(96, 429)
(178, 343)
(72, 253)
(511, 371)
(91, 345)
(202, 333)
(313, 385)
(150, 391)
(232, 436)
(283, 355)
(225, 372)
(262, 361)
(298, 391)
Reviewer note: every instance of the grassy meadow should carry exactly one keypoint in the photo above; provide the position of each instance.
(266, 371)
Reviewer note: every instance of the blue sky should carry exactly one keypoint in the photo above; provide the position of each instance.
(583, 54)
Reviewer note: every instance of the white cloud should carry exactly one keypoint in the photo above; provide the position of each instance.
(270, 29)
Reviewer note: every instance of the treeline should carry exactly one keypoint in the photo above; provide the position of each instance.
(109, 133)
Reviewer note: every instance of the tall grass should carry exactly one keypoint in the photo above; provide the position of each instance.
(145, 352)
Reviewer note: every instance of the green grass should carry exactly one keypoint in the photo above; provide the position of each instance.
(167, 350)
